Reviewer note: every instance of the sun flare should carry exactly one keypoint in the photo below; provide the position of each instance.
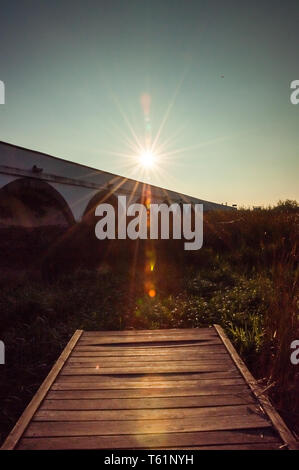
(147, 158)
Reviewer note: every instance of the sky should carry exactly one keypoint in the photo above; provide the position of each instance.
(204, 85)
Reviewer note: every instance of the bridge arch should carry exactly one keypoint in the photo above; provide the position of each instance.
(30, 202)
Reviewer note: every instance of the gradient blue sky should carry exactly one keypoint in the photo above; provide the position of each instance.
(74, 69)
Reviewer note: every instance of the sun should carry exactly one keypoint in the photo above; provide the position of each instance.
(147, 158)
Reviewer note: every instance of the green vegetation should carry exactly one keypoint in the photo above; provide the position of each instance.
(244, 278)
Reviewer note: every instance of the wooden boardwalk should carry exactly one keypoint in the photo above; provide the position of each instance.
(151, 389)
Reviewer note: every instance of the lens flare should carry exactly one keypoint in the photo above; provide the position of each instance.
(147, 158)
(152, 293)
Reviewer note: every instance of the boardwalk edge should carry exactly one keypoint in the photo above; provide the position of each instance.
(278, 423)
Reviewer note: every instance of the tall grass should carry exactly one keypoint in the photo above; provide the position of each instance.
(245, 278)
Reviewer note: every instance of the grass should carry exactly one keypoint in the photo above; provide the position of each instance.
(245, 278)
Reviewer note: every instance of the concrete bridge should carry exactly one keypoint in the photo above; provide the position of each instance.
(39, 189)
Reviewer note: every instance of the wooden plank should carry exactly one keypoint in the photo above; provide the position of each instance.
(147, 414)
(93, 362)
(259, 436)
(203, 351)
(161, 426)
(137, 382)
(74, 391)
(165, 366)
(25, 418)
(152, 347)
(233, 373)
(273, 415)
(144, 403)
(95, 369)
(101, 382)
(179, 336)
(154, 369)
(105, 369)
(153, 338)
(98, 386)
(225, 371)
(178, 333)
(143, 340)
(107, 363)
(167, 331)
(198, 358)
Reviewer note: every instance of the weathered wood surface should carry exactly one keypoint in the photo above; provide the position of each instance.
(168, 389)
